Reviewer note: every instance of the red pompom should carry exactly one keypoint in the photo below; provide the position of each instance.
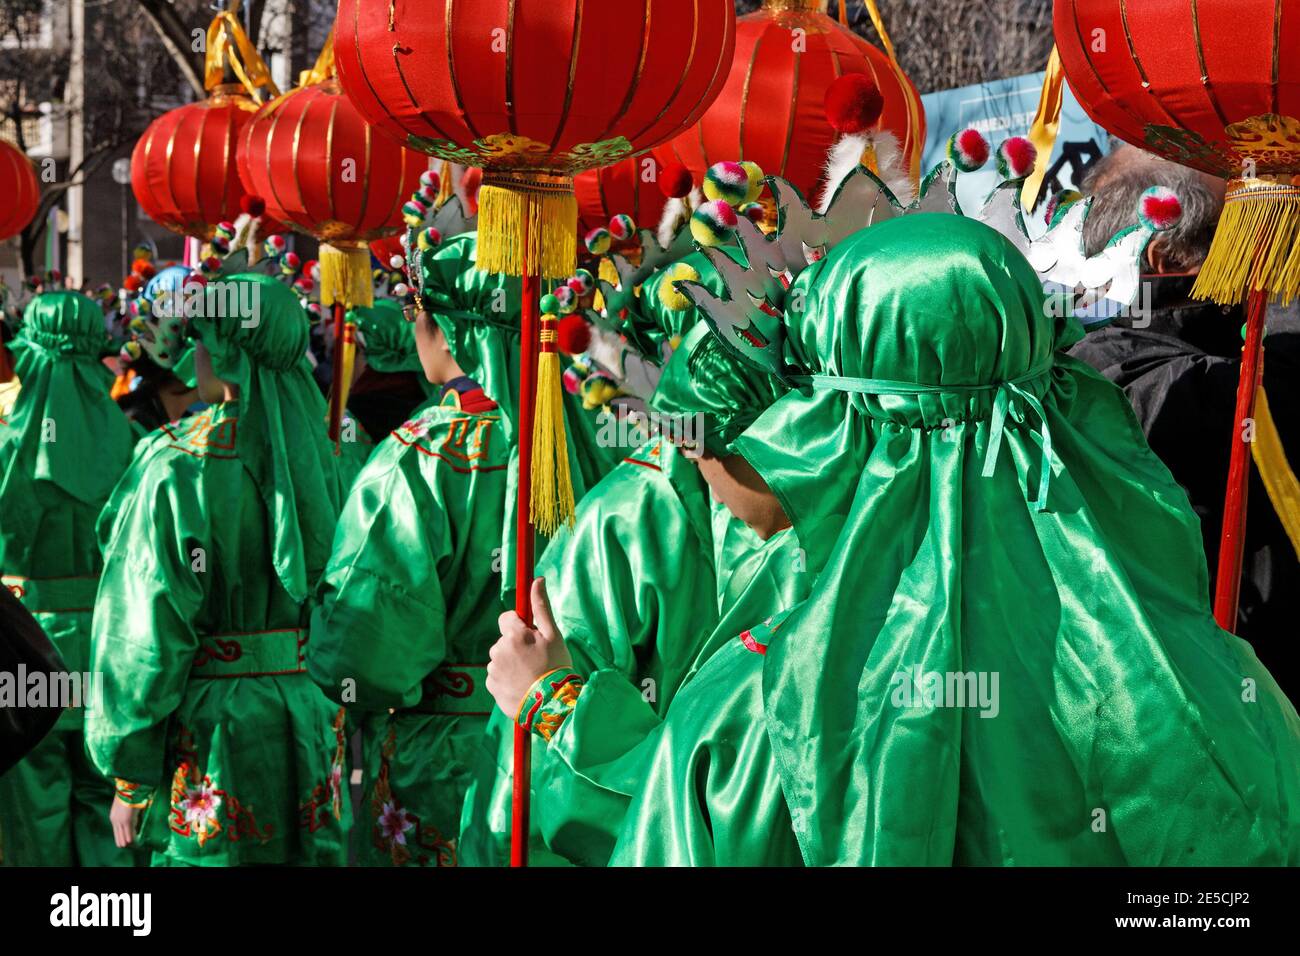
(252, 205)
(853, 103)
(141, 266)
(675, 181)
(573, 334)
(132, 283)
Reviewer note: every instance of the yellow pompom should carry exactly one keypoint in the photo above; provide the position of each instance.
(670, 296)
(755, 174)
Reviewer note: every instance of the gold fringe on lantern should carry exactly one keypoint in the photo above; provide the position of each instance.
(551, 504)
(527, 220)
(1256, 244)
(345, 276)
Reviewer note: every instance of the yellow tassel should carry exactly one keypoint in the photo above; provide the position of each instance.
(526, 219)
(1256, 244)
(552, 503)
(345, 276)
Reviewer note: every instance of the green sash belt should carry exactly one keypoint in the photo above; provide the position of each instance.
(53, 595)
(456, 690)
(253, 654)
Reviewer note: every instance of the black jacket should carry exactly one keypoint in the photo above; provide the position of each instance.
(1180, 372)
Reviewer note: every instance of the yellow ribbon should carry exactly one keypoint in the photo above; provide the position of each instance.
(1275, 471)
(228, 44)
(1046, 126)
(913, 106)
(874, 12)
(324, 67)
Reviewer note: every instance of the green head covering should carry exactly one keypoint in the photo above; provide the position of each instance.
(281, 436)
(389, 340)
(702, 378)
(978, 672)
(64, 428)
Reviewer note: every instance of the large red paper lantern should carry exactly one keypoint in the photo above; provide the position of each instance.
(1212, 85)
(533, 91)
(324, 170)
(183, 169)
(626, 188)
(771, 111)
(19, 187)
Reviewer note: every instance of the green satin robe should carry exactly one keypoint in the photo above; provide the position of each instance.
(207, 699)
(408, 610)
(54, 804)
(644, 590)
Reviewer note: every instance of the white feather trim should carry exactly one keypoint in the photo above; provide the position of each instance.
(846, 155)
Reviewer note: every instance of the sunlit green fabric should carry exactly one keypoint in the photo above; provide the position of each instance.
(654, 578)
(479, 313)
(706, 381)
(211, 541)
(408, 610)
(1125, 727)
(62, 448)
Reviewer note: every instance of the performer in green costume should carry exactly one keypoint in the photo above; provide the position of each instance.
(213, 542)
(1008, 656)
(653, 579)
(421, 563)
(62, 448)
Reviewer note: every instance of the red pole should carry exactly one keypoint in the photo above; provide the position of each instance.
(530, 322)
(1232, 541)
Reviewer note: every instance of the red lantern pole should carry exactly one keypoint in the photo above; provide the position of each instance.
(336, 391)
(530, 324)
(1232, 539)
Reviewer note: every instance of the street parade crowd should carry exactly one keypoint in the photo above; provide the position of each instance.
(783, 521)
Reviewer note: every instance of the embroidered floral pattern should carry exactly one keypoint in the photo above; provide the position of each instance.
(330, 793)
(198, 806)
(396, 830)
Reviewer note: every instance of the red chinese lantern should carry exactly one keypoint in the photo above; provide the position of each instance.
(771, 111)
(557, 87)
(621, 189)
(19, 187)
(324, 170)
(1211, 84)
(183, 170)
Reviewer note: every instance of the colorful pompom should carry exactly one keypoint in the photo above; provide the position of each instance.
(430, 180)
(550, 305)
(1159, 208)
(675, 181)
(252, 205)
(132, 283)
(572, 381)
(413, 212)
(713, 223)
(1016, 158)
(753, 211)
(756, 184)
(220, 245)
(573, 335)
(853, 104)
(226, 230)
(428, 239)
(143, 267)
(968, 150)
(290, 263)
(727, 182)
(598, 241)
(1062, 200)
(598, 389)
(672, 298)
(566, 299)
(583, 282)
(274, 246)
(622, 228)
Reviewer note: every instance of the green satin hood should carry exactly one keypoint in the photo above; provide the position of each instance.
(64, 428)
(389, 340)
(281, 437)
(1118, 732)
(702, 378)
